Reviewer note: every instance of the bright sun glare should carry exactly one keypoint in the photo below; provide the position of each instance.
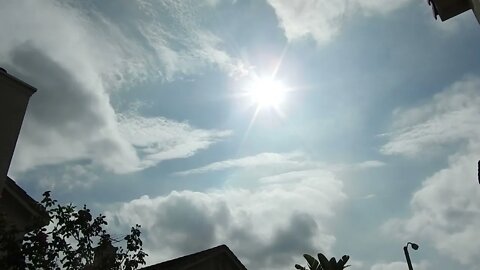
(267, 92)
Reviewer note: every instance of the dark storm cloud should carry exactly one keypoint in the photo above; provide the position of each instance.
(286, 245)
(187, 226)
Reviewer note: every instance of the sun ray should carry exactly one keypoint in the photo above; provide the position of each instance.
(280, 61)
(250, 125)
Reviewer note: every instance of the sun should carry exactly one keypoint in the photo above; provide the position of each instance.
(267, 92)
(267, 95)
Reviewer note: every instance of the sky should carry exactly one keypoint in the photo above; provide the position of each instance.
(276, 127)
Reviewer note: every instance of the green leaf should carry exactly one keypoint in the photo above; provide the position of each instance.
(313, 264)
(324, 262)
(299, 267)
(68, 241)
(333, 261)
(341, 263)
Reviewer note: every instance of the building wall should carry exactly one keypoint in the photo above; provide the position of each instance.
(476, 9)
(14, 96)
(17, 215)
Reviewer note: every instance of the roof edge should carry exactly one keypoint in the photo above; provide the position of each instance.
(18, 81)
(28, 202)
(199, 257)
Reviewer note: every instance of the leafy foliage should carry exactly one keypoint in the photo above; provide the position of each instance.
(323, 263)
(72, 240)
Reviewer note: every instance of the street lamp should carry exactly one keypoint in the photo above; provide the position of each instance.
(407, 256)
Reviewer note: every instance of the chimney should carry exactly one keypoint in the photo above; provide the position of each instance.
(14, 96)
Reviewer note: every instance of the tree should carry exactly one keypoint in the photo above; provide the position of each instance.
(72, 240)
(323, 263)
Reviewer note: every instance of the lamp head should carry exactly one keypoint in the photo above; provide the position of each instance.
(414, 246)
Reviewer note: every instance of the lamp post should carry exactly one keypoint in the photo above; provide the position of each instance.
(407, 256)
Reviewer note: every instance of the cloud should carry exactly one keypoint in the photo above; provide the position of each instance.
(295, 159)
(68, 177)
(83, 42)
(370, 164)
(382, 7)
(445, 210)
(400, 266)
(70, 118)
(451, 116)
(293, 176)
(323, 20)
(281, 161)
(157, 139)
(67, 119)
(269, 226)
(173, 30)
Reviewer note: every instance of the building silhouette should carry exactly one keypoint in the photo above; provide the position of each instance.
(217, 258)
(447, 9)
(18, 208)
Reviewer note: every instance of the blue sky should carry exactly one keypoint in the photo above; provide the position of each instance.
(143, 112)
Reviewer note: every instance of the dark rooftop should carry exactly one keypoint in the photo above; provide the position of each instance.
(191, 260)
(447, 9)
(35, 208)
(4, 72)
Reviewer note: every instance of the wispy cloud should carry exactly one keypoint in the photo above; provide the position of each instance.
(282, 161)
(71, 118)
(68, 178)
(451, 116)
(173, 29)
(295, 159)
(295, 175)
(157, 139)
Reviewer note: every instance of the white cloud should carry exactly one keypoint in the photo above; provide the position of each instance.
(381, 6)
(268, 226)
(370, 164)
(319, 19)
(445, 210)
(75, 59)
(68, 36)
(400, 266)
(181, 45)
(284, 213)
(451, 116)
(323, 20)
(68, 177)
(280, 162)
(294, 159)
(157, 139)
(292, 176)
